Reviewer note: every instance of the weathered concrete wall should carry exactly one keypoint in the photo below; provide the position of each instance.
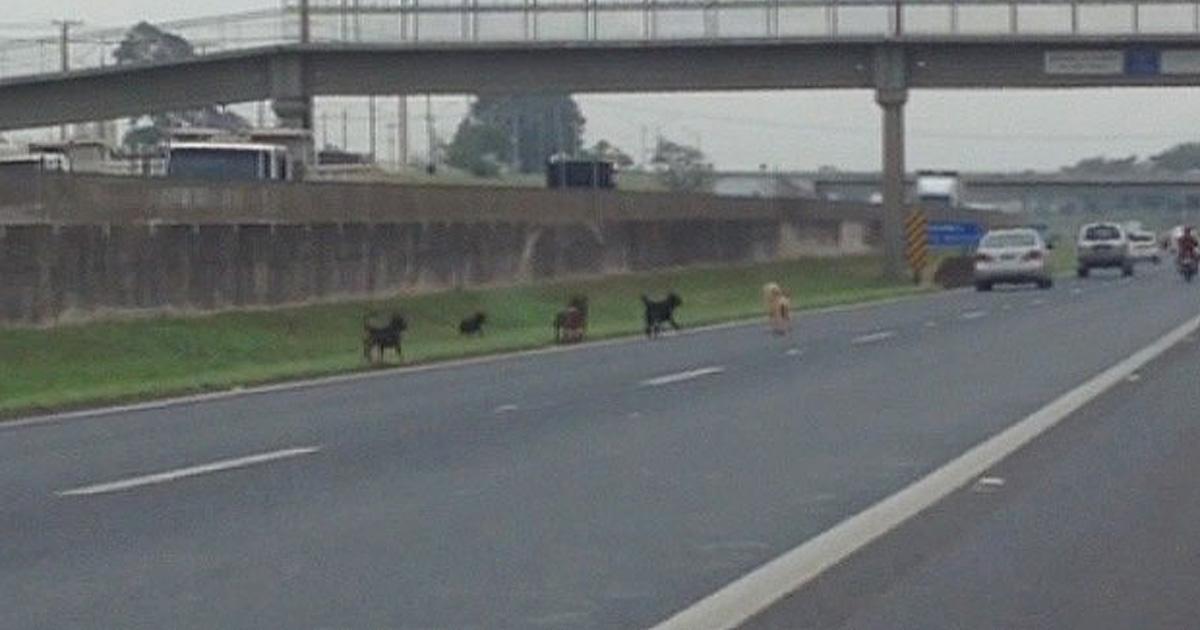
(52, 272)
(88, 247)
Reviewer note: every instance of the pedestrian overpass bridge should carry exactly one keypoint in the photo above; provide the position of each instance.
(310, 48)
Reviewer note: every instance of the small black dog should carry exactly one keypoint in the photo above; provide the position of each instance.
(473, 325)
(659, 313)
(383, 338)
(570, 324)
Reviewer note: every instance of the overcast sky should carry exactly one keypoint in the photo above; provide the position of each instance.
(967, 130)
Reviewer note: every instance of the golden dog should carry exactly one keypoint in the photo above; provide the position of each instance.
(779, 308)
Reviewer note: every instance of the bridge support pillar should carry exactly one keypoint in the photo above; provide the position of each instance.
(292, 103)
(891, 93)
(293, 113)
(290, 96)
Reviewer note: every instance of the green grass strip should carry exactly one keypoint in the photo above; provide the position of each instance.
(111, 362)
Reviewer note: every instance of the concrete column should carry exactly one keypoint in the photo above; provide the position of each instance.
(891, 93)
(290, 97)
(292, 103)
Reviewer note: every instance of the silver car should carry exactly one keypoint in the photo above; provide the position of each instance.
(1144, 247)
(1103, 246)
(1013, 257)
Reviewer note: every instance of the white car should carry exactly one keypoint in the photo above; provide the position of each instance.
(1103, 246)
(1144, 247)
(1012, 257)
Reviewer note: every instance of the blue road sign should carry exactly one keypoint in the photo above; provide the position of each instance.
(1142, 62)
(954, 234)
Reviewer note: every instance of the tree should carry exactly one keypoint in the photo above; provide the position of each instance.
(478, 148)
(682, 168)
(606, 151)
(535, 127)
(1179, 158)
(1103, 166)
(146, 43)
(144, 137)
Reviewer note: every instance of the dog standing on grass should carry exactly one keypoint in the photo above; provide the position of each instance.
(661, 312)
(382, 338)
(473, 325)
(779, 308)
(570, 324)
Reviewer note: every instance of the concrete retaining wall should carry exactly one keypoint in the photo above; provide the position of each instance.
(89, 247)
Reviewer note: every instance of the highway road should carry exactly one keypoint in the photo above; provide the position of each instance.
(607, 486)
(1094, 526)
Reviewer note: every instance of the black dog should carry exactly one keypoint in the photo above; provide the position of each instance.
(659, 313)
(473, 325)
(570, 324)
(383, 338)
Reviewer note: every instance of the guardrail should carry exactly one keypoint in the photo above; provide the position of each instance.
(441, 22)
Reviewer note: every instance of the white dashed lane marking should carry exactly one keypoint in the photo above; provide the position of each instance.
(969, 315)
(882, 335)
(680, 377)
(191, 471)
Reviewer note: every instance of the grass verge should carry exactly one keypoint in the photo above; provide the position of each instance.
(103, 363)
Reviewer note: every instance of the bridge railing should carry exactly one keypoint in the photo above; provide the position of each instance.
(440, 22)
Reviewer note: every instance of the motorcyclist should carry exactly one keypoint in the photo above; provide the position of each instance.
(1188, 245)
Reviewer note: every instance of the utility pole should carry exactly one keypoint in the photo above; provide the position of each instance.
(644, 154)
(514, 142)
(305, 22)
(64, 52)
(345, 129)
(401, 132)
(372, 124)
(430, 134)
(357, 21)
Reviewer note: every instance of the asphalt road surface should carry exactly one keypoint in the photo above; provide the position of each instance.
(1093, 526)
(605, 487)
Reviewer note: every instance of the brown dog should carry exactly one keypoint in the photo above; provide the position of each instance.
(779, 308)
(570, 324)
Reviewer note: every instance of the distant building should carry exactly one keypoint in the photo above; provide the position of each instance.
(761, 184)
(80, 156)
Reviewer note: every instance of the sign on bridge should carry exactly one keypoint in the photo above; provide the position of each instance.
(1131, 62)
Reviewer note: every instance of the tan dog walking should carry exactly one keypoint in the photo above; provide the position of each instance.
(779, 308)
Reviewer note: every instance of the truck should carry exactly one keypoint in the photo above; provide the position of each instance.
(939, 188)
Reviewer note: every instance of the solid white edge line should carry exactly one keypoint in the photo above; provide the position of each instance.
(680, 377)
(191, 471)
(239, 392)
(758, 590)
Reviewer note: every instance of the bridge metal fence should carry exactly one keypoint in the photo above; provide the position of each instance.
(465, 22)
